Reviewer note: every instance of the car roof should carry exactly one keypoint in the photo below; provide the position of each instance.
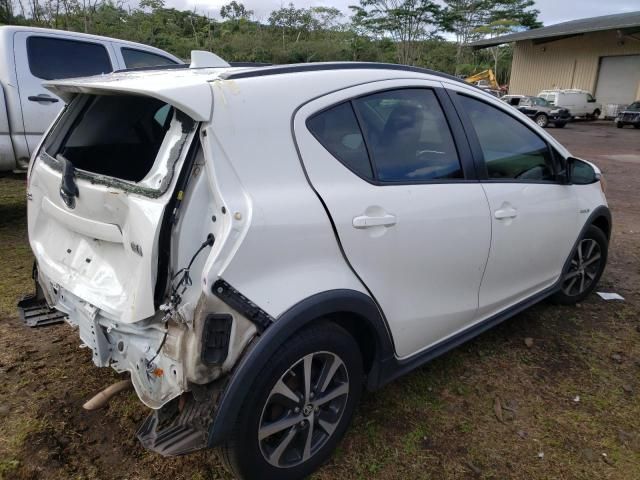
(188, 87)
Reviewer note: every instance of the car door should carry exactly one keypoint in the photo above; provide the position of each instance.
(397, 180)
(41, 57)
(534, 212)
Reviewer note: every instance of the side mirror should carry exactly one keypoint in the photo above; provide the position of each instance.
(579, 172)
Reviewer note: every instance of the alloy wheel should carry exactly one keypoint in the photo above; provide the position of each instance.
(584, 268)
(303, 409)
(542, 120)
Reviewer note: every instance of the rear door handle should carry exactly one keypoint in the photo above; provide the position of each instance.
(42, 98)
(365, 221)
(505, 213)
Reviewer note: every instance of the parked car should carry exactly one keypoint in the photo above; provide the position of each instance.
(629, 116)
(255, 245)
(541, 111)
(579, 102)
(29, 56)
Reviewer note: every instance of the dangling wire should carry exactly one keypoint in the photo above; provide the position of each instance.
(176, 297)
(185, 280)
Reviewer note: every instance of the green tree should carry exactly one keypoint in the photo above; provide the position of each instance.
(235, 11)
(466, 19)
(406, 22)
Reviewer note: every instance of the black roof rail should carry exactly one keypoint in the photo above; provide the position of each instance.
(317, 67)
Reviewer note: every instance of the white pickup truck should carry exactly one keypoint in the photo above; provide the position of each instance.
(28, 56)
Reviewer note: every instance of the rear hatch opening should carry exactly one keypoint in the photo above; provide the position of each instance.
(117, 140)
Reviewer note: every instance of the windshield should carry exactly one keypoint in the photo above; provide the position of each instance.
(634, 107)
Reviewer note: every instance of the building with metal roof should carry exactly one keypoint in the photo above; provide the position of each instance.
(600, 55)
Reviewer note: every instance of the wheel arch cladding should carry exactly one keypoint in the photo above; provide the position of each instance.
(354, 311)
(603, 222)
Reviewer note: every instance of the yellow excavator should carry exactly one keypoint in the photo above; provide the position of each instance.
(487, 81)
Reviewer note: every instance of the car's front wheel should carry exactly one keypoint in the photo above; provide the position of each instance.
(585, 267)
(560, 124)
(542, 120)
(300, 407)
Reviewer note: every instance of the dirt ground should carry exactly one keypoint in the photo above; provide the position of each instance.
(563, 405)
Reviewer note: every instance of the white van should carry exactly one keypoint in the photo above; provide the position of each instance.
(28, 56)
(579, 102)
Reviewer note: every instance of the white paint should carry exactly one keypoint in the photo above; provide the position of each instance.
(439, 260)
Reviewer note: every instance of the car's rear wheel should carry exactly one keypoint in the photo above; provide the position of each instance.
(585, 267)
(300, 406)
(542, 120)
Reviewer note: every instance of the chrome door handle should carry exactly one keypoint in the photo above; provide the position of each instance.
(365, 221)
(42, 98)
(505, 213)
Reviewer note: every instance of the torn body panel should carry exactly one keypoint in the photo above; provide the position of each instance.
(103, 248)
(98, 258)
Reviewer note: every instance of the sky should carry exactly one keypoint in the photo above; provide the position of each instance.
(551, 11)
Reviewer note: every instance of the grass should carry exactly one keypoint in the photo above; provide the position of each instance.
(17, 258)
(439, 422)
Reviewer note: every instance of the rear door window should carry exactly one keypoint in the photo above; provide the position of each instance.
(134, 58)
(54, 58)
(408, 136)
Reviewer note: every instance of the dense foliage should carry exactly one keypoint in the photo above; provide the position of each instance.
(401, 31)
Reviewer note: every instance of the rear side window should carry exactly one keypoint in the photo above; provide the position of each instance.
(338, 131)
(54, 58)
(408, 136)
(134, 58)
(510, 149)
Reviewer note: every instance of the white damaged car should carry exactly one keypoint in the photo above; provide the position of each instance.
(255, 245)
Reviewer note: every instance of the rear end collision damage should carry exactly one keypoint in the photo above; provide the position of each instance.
(109, 255)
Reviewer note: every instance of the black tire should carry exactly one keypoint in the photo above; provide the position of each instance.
(596, 114)
(242, 454)
(591, 272)
(541, 119)
(636, 126)
(560, 124)
(619, 125)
